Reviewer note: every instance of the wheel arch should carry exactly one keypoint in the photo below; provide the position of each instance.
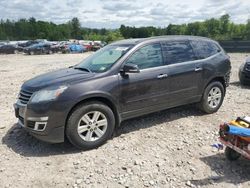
(220, 79)
(102, 99)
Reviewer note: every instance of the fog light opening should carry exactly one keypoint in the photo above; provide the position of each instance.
(40, 126)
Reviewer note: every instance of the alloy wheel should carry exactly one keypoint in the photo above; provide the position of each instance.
(92, 126)
(214, 97)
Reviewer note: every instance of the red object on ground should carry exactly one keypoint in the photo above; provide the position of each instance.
(236, 143)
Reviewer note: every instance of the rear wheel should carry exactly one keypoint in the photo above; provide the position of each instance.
(231, 154)
(90, 125)
(212, 98)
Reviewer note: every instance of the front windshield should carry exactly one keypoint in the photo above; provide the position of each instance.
(103, 59)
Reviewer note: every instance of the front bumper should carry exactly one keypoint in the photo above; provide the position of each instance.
(227, 79)
(244, 76)
(41, 122)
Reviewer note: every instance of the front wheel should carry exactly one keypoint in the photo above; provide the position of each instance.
(212, 98)
(90, 125)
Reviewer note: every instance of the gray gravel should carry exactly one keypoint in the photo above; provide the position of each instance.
(165, 149)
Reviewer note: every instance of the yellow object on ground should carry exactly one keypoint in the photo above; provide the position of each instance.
(241, 123)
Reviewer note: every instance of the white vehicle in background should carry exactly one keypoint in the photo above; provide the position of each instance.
(41, 40)
(13, 42)
(98, 44)
(3, 43)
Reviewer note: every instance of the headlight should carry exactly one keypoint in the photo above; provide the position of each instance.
(47, 94)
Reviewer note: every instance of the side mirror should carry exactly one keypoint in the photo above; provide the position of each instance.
(130, 68)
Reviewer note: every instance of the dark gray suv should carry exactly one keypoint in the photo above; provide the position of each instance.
(125, 79)
(244, 72)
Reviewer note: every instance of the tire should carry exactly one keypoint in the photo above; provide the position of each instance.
(212, 98)
(231, 155)
(243, 82)
(83, 133)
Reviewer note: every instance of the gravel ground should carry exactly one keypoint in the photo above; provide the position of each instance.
(165, 149)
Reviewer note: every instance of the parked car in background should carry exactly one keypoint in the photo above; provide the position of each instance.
(42, 40)
(76, 48)
(244, 72)
(97, 45)
(10, 49)
(64, 46)
(28, 43)
(3, 43)
(101, 43)
(87, 44)
(40, 48)
(56, 47)
(123, 80)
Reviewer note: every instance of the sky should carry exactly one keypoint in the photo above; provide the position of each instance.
(113, 13)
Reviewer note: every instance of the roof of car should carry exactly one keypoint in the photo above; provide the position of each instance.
(159, 38)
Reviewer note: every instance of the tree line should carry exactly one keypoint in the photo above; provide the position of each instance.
(27, 29)
(30, 29)
(218, 29)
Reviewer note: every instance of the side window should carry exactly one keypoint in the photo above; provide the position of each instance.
(147, 57)
(205, 49)
(177, 52)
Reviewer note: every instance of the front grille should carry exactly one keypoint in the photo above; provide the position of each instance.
(24, 96)
(247, 67)
(31, 124)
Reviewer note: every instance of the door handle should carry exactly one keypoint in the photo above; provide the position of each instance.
(197, 69)
(161, 76)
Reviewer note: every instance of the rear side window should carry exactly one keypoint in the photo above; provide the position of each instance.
(177, 52)
(205, 49)
(147, 57)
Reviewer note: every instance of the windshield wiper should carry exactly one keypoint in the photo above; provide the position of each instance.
(83, 69)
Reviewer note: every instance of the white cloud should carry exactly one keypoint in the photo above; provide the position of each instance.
(113, 13)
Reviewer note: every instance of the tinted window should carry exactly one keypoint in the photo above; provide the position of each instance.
(205, 49)
(177, 52)
(147, 57)
(105, 58)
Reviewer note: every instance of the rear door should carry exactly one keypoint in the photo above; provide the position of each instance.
(184, 72)
(209, 54)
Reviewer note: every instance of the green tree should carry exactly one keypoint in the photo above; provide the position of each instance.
(76, 28)
(247, 33)
(224, 23)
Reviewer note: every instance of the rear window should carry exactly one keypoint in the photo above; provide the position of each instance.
(177, 52)
(205, 49)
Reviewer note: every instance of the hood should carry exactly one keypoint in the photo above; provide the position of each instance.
(59, 77)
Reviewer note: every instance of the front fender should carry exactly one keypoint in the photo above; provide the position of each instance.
(97, 94)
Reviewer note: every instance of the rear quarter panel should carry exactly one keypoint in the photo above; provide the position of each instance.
(218, 65)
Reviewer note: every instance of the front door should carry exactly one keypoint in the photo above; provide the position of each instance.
(142, 92)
